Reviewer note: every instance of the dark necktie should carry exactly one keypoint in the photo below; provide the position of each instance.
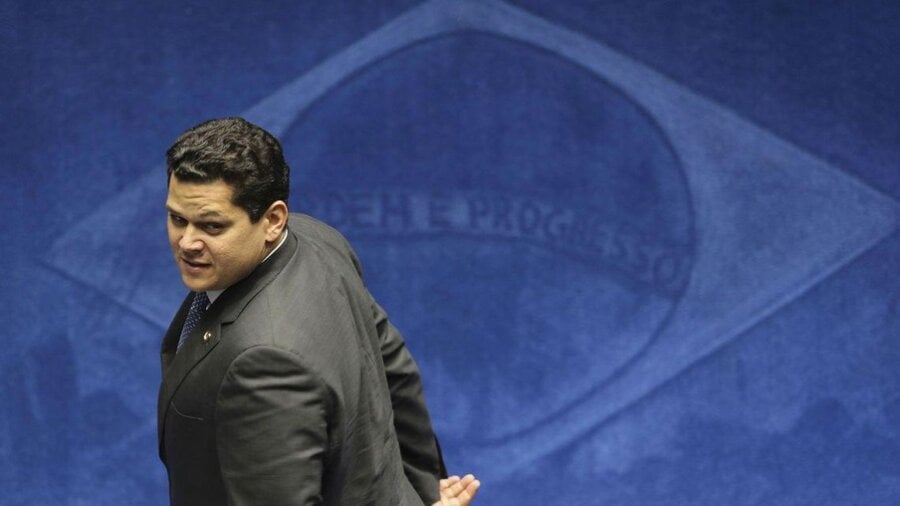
(198, 307)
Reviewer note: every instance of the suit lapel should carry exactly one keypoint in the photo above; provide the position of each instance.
(176, 366)
(170, 340)
(208, 332)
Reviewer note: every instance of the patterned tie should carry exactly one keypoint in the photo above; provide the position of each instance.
(198, 307)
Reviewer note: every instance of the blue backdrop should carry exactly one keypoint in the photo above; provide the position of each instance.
(645, 253)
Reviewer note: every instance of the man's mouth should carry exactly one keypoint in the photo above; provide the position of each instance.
(193, 265)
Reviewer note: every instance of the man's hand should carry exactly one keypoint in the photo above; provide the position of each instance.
(456, 491)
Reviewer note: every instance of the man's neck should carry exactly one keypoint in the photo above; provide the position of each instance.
(280, 242)
(214, 294)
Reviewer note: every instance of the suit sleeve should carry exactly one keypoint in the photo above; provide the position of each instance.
(271, 430)
(419, 449)
(422, 460)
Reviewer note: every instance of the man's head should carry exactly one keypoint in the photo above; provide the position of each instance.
(227, 201)
(237, 152)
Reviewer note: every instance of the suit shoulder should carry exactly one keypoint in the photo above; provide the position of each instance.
(327, 238)
(311, 228)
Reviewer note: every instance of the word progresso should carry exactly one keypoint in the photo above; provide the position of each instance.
(576, 231)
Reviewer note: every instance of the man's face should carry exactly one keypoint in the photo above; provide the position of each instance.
(214, 242)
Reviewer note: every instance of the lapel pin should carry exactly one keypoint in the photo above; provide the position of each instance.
(207, 336)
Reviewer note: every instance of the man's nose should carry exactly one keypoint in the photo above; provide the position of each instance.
(190, 240)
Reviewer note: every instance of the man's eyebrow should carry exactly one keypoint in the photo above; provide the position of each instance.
(205, 214)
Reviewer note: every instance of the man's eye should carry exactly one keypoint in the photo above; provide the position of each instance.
(213, 228)
(178, 220)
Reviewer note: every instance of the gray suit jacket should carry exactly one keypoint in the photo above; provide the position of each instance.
(295, 388)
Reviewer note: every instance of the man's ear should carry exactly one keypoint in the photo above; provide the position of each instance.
(276, 218)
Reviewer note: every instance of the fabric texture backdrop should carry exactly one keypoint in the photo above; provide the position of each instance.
(644, 252)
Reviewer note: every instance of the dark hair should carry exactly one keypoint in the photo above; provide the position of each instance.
(237, 152)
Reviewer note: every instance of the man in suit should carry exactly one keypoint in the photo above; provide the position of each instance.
(283, 380)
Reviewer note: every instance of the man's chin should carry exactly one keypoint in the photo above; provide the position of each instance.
(197, 285)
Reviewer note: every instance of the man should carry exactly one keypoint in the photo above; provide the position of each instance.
(283, 380)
